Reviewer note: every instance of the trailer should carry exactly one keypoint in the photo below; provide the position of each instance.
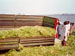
(14, 21)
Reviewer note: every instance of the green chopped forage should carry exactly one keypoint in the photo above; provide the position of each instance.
(56, 50)
(28, 31)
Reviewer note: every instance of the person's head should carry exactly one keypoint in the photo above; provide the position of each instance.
(72, 24)
(65, 23)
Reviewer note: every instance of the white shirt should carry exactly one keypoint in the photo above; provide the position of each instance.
(68, 27)
(63, 32)
(66, 31)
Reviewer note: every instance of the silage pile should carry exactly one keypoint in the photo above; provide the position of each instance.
(56, 50)
(27, 31)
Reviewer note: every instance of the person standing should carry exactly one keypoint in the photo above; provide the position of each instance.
(71, 27)
(68, 27)
(65, 32)
(59, 29)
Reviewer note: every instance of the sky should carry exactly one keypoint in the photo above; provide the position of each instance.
(37, 7)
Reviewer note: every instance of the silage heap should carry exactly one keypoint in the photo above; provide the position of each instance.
(56, 50)
(27, 31)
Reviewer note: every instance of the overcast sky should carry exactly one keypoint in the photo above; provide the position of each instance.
(38, 7)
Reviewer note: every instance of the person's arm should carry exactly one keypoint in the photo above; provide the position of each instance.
(72, 28)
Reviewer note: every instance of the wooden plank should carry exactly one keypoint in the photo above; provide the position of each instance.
(46, 17)
(9, 39)
(28, 20)
(2, 21)
(37, 41)
(49, 22)
(48, 25)
(6, 27)
(41, 41)
(9, 43)
(29, 16)
(5, 44)
(5, 47)
(39, 45)
(2, 15)
(34, 44)
(5, 18)
(7, 23)
(28, 23)
(21, 16)
(36, 38)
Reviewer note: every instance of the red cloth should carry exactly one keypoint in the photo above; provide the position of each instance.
(56, 35)
(56, 23)
(56, 27)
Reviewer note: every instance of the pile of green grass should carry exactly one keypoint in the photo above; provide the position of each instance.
(28, 31)
(56, 50)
